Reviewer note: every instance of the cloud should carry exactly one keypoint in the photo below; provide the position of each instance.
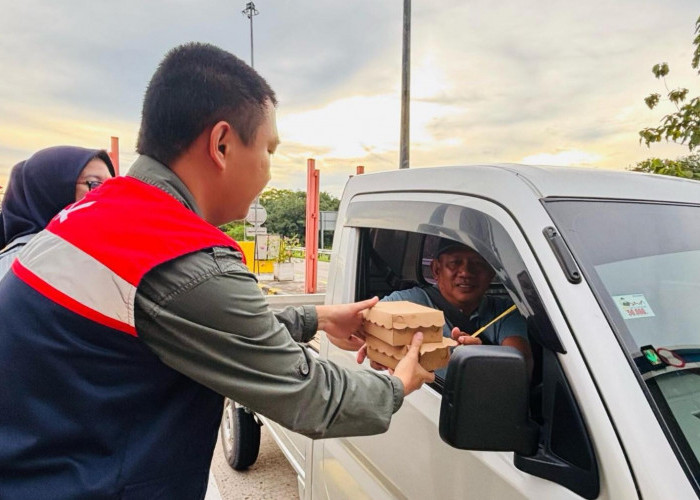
(562, 158)
(490, 84)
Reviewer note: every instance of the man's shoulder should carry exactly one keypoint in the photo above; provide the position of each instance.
(416, 295)
(498, 303)
(192, 270)
(513, 324)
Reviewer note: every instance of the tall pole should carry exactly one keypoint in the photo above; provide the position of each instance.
(405, 85)
(311, 239)
(114, 153)
(251, 11)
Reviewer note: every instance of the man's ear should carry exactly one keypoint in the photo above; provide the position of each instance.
(220, 143)
(435, 267)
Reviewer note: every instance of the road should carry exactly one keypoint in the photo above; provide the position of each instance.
(271, 477)
(297, 286)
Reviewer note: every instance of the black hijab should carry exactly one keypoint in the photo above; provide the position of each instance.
(41, 186)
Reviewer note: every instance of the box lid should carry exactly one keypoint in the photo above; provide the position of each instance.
(404, 314)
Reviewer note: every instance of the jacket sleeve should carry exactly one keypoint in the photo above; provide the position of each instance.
(204, 315)
(301, 322)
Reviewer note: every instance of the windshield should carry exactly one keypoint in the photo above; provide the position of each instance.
(643, 262)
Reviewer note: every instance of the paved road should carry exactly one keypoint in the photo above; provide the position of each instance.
(297, 286)
(271, 477)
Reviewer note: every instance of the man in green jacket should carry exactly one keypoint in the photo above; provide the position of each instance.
(217, 171)
(121, 335)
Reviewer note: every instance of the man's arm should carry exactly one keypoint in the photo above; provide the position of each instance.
(301, 321)
(522, 345)
(204, 315)
(512, 331)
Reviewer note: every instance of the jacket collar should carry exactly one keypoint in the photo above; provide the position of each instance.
(153, 172)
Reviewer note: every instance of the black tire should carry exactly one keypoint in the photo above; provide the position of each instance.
(240, 436)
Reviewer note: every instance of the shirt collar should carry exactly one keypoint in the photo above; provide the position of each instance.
(479, 311)
(153, 172)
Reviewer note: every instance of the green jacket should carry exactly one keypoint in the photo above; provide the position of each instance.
(204, 315)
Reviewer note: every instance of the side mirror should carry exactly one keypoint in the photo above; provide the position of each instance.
(485, 401)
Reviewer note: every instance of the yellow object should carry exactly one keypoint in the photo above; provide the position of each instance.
(261, 266)
(264, 266)
(502, 315)
(248, 248)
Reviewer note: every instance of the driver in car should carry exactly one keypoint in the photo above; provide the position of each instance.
(462, 279)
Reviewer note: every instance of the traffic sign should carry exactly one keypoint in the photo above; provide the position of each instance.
(252, 231)
(257, 214)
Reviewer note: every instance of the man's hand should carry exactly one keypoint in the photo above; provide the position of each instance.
(362, 355)
(464, 338)
(343, 323)
(412, 374)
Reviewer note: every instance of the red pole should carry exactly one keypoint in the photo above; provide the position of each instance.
(360, 170)
(114, 154)
(312, 214)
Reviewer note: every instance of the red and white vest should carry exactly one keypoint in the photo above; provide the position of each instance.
(87, 410)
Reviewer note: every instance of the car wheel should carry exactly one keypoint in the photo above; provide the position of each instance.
(240, 435)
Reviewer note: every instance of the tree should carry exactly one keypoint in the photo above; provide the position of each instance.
(234, 230)
(686, 166)
(683, 126)
(327, 203)
(286, 210)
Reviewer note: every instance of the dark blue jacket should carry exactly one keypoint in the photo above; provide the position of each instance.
(86, 409)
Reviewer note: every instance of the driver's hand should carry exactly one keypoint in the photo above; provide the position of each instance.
(464, 338)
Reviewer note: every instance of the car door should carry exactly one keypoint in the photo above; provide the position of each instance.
(410, 460)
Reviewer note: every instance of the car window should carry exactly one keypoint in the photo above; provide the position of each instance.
(642, 260)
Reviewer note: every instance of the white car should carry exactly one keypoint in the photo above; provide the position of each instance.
(604, 266)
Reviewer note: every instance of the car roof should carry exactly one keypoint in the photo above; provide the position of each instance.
(544, 181)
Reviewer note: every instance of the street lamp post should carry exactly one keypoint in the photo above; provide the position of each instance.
(405, 86)
(249, 12)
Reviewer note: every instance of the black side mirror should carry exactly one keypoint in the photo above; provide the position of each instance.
(485, 401)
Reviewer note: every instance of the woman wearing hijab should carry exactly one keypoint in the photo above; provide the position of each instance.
(43, 185)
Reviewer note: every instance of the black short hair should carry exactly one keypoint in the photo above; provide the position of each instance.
(195, 86)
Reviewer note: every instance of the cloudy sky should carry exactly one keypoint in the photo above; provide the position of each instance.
(530, 81)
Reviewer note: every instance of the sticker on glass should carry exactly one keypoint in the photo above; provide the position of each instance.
(633, 306)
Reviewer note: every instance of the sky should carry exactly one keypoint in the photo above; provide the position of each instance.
(552, 82)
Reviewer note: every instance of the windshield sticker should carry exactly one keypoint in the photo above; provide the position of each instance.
(633, 306)
(670, 357)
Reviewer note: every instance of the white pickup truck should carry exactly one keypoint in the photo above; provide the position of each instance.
(604, 266)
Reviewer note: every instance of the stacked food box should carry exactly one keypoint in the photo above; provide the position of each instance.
(389, 329)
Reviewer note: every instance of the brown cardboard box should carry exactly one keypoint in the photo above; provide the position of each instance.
(396, 322)
(433, 355)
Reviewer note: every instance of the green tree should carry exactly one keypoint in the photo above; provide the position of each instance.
(686, 166)
(234, 230)
(286, 211)
(682, 126)
(327, 203)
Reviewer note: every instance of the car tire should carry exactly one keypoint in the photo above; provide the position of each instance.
(240, 435)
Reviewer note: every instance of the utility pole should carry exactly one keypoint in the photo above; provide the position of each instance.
(405, 86)
(249, 12)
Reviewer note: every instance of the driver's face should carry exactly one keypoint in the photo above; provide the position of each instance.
(463, 276)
